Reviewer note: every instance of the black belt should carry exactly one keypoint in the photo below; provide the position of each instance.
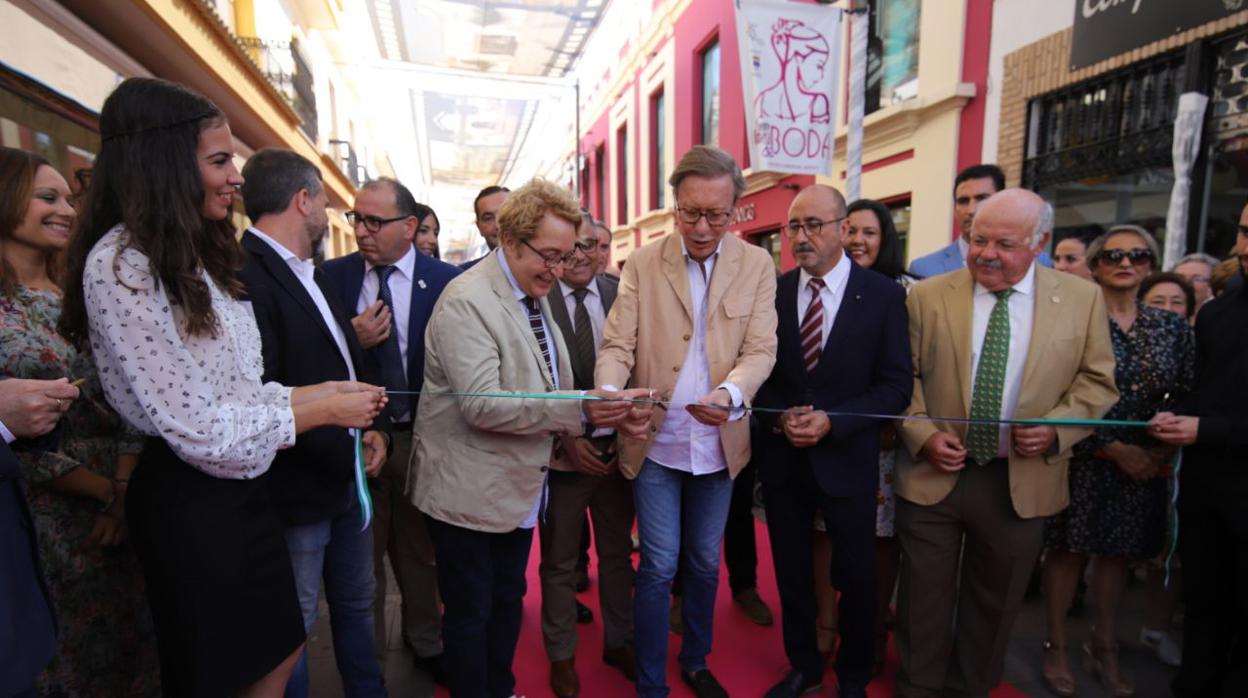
(401, 426)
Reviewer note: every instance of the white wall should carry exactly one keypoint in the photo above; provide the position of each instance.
(1016, 23)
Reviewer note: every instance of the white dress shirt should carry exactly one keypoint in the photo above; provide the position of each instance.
(201, 393)
(531, 520)
(683, 443)
(401, 292)
(832, 293)
(305, 270)
(1022, 305)
(6, 434)
(964, 248)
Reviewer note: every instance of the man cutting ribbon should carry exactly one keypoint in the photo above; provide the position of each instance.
(1000, 339)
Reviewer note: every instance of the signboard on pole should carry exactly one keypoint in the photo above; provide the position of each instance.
(789, 57)
(1105, 28)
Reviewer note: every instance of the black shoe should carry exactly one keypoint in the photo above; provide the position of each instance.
(583, 614)
(432, 666)
(796, 684)
(703, 684)
(851, 690)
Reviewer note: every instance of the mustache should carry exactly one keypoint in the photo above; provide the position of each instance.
(803, 247)
(988, 263)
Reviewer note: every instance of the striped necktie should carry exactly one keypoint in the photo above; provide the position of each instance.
(983, 440)
(539, 331)
(393, 374)
(811, 332)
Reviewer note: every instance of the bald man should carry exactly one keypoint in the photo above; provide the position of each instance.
(1003, 338)
(842, 346)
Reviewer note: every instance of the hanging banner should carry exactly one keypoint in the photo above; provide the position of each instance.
(789, 57)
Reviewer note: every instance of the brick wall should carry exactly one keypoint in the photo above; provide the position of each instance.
(1044, 66)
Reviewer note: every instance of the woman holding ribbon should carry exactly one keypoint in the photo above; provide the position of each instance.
(152, 286)
(1117, 511)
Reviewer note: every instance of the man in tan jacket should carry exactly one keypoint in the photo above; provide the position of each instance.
(695, 320)
(481, 460)
(1002, 338)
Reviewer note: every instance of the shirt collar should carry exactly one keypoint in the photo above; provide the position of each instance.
(684, 251)
(567, 290)
(278, 247)
(835, 278)
(405, 266)
(502, 262)
(1026, 286)
(963, 248)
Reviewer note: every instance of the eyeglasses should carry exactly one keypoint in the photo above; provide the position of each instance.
(553, 260)
(371, 223)
(715, 219)
(812, 226)
(1138, 256)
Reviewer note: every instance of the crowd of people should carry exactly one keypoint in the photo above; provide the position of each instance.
(205, 433)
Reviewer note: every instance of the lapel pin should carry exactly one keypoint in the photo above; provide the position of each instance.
(857, 296)
(420, 283)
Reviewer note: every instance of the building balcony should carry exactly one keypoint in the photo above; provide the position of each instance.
(289, 72)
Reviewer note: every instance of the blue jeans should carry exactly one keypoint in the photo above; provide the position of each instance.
(676, 513)
(343, 554)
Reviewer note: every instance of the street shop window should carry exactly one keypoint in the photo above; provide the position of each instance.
(1094, 204)
(900, 210)
(36, 119)
(892, 53)
(1226, 137)
(709, 97)
(769, 240)
(658, 145)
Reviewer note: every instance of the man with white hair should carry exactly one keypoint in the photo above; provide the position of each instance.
(1003, 338)
(1198, 268)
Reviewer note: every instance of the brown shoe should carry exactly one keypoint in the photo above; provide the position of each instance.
(622, 658)
(563, 680)
(750, 602)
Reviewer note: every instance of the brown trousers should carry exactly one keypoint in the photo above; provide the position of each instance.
(399, 530)
(610, 503)
(977, 528)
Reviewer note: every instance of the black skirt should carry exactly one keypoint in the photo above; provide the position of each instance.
(218, 573)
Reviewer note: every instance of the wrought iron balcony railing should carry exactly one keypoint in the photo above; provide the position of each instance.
(286, 68)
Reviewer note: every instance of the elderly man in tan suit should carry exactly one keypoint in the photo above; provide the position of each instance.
(482, 461)
(695, 320)
(1003, 338)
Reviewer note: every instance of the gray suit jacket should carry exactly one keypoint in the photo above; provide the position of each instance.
(479, 462)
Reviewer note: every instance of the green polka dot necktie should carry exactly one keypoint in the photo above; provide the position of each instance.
(982, 440)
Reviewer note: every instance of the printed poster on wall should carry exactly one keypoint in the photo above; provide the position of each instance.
(789, 56)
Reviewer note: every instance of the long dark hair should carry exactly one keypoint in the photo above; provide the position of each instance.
(146, 177)
(889, 261)
(17, 186)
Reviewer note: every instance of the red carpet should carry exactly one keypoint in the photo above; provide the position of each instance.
(746, 658)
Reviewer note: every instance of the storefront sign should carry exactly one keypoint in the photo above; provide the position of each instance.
(743, 214)
(1105, 28)
(789, 54)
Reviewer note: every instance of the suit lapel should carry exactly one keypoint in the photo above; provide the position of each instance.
(418, 310)
(342, 317)
(675, 272)
(286, 280)
(789, 337)
(354, 285)
(959, 299)
(1048, 300)
(607, 291)
(512, 308)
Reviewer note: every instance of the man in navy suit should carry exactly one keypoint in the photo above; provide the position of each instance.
(843, 346)
(307, 338)
(393, 288)
(970, 188)
(485, 213)
(28, 409)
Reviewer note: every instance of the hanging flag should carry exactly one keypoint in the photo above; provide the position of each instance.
(789, 57)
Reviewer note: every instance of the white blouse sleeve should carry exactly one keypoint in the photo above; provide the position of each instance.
(193, 392)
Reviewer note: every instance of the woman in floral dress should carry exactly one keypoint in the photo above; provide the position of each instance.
(105, 640)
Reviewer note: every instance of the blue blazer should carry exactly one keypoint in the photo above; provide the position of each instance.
(346, 276)
(27, 626)
(865, 367)
(949, 258)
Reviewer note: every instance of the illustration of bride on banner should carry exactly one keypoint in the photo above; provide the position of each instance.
(789, 64)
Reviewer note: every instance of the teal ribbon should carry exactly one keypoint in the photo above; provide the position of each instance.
(1028, 422)
(361, 483)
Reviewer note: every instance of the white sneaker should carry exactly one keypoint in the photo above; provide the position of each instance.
(1168, 650)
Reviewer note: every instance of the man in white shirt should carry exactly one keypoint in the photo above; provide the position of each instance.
(307, 338)
(705, 340)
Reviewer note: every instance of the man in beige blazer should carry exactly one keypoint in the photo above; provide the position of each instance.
(1003, 338)
(481, 462)
(695, 319)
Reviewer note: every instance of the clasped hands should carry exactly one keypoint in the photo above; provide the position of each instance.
(805, 426)
(946, 452)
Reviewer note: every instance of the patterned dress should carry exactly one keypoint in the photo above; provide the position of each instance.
(105, 639)
(1110, 514)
